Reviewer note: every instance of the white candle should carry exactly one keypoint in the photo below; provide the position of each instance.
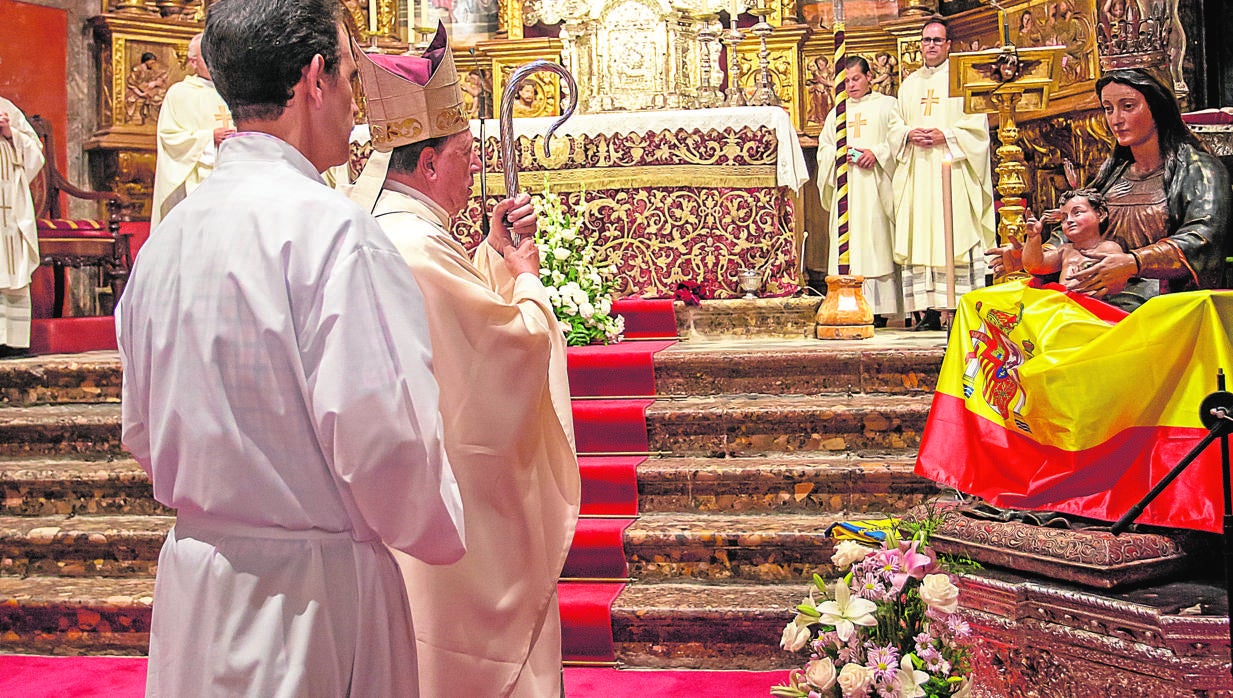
(372, 16)
(735, 11)
(948, 230)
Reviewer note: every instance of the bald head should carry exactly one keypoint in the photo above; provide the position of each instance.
(195, 60)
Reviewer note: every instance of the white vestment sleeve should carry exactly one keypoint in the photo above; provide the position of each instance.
(376, 412)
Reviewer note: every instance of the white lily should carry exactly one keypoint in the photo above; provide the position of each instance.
(910, 679)
(845, 611)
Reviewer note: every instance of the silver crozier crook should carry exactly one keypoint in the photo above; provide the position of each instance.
(509, 153)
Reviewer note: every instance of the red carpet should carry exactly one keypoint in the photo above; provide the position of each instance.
(615, 427)
(610, 430)
(647, 318)
(598, 551)
(124, 677)
(611, 485)
(622, 369)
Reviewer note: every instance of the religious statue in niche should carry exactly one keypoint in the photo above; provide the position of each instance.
(144, 89)
(821, 87)
(529, 100)
(476, 91)
(884, 74)
(1066, 23)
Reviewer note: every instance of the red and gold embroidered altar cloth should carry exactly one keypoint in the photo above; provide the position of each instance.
(670, 195)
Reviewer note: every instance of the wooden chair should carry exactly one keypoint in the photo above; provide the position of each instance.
(67, 242)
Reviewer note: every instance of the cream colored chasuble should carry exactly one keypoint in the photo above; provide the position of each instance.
(489, 625)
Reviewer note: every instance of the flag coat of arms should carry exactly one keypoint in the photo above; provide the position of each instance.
(1054, 401)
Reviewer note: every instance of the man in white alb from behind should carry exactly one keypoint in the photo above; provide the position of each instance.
(278, 389)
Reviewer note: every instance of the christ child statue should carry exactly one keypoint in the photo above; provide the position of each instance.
(1084, 216)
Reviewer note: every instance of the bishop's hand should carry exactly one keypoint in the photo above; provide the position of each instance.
(523, 259)
(512, 216)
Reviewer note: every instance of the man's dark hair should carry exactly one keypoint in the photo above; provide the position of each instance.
(147, 56)
(939, 20)
(256, 50)
(405, 158)
(857, 62)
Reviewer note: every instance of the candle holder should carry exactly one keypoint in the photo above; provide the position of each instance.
(750, 280)
(764, 91)
(708, 94)
(735, 96)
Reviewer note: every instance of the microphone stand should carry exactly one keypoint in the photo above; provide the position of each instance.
(1216, 413)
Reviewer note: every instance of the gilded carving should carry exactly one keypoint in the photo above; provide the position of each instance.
(733, 214)
(144, 89)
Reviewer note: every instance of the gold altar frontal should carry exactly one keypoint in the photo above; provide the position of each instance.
(668, 196)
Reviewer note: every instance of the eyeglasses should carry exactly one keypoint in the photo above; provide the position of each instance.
(933, 40)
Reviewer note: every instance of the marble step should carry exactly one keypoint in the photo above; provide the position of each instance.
(753, 425)
(43, 486)
(39, 430)
(789, 482)
(81, 546)
(89, 377)
(782, 483)
(667, 547)
(795, 368)
(657, 546)
(900, 363)
(705, 626)
(727, 425)
(75, 616)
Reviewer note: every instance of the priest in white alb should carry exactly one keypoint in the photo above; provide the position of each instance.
(278, 390)
(487, 625)
(21, 158)
(871, 214)
(933, 126)
(192, 122)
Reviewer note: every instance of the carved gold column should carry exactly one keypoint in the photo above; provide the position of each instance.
(1011, 169)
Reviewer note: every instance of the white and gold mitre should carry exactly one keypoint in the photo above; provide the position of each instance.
(412, 98)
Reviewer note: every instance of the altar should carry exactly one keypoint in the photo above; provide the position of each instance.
(669, 196)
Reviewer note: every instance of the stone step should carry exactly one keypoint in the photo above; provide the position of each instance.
(44, 486)
(752, 425)
(705, 626)
(782, 483)
(727, 425)
(726, 547)
(75, 616)
(796, 368)
(788, 482)
(44, 430)
(89, 377)
(81, 546)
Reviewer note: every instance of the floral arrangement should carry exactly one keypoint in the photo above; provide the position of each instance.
(888, 627)
(581, 293)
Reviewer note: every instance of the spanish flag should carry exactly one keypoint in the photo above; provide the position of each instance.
(1051, 400)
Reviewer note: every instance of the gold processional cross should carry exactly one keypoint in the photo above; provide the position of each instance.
(928, 101)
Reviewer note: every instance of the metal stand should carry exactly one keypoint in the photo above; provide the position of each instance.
(764, 92)
(1216, 413)
(735, 95)
(708, 95)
